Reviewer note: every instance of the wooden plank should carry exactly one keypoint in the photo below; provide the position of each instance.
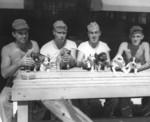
(84, 74)
(22, 112)
(83, 80)
(81, 92)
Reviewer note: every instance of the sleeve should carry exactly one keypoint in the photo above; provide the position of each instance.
(107, 47)
(43, 51)
(74, 45)
(71, 44)
(80, 47)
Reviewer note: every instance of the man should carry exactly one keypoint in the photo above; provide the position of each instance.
(141, 51)
(14, 56)
(55, 48)
(94, 45)
(89, 48)
(138, 49)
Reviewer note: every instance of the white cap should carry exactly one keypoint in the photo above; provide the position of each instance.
(60, 25)
(93, 25)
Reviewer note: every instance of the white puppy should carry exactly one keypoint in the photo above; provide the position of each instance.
(118, 63)
(45, 65)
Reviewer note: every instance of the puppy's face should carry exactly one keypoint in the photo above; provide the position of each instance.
(65, 52)
(35, 57)
(102, 57)
(91, 58)
(135, 62)
(46, 61)
(119, 61)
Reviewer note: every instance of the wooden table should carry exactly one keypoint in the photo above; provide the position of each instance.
(76, 84)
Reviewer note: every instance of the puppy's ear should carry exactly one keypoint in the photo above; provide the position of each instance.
(95, 55)
(137, 60)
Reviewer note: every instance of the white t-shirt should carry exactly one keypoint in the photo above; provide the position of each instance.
(86, 48)
(50, 49)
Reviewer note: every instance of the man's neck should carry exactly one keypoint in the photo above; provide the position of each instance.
(24, 46)
(58, 45)
(94, 45)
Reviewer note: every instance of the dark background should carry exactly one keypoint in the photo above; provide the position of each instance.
(41, 14)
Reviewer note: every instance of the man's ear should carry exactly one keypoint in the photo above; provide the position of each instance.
(13, 34)
(130, 36)
(142, 37)
(53, 32)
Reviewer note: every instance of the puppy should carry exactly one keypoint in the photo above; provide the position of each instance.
(62, 53)
(45, 65)
(41, 61)
(118, 63)
(38, 59)
(133, 65)
(91, 62)
(101, 61)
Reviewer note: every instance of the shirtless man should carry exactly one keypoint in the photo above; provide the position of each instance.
(14, 56)
(141, 51)
(136, 48)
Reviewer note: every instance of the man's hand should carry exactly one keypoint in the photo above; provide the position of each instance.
(27, 60)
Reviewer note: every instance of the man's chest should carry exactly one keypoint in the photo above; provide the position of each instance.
(16, 55)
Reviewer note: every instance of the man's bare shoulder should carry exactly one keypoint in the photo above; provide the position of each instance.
(123, 45)
(9, 47)
(145, 44)
(34, 42)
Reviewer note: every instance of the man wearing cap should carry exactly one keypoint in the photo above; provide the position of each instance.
(136, 48)
(89, 48)
(140, 50)
(14, 56)
(94, 45)
(54, 48)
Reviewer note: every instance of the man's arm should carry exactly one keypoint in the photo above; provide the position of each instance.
(146, 48)
(72, 61)
(108, 56)
(67, 58)
(7, 68)
(121, 49)
(80, 57)
(36, 48)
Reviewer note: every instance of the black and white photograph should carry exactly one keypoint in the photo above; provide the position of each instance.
(74, 60)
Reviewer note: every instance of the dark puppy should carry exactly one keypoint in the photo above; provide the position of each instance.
(64, 52)
(39, 59)
(101, 61)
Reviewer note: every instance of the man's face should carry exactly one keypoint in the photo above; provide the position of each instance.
(136, 38)
(94, 35)
(21, 35)
(60, 37)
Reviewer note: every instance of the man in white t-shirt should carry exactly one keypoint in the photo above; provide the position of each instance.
(54, 48)
(89, 48)
(94, 45)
